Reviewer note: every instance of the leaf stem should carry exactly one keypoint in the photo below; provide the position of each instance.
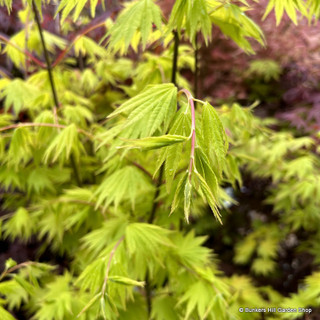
(77, 37)
(198, 100)
(140, 167)
(46, 55)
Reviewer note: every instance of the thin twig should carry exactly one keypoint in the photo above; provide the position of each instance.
(106, 277)
(140, 167)
(175, 57)
(77, 37)
(53, 89)
(26, 43)
(46, 55)
(50, 125)
(16, 267)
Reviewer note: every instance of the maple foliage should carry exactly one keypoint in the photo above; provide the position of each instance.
(110, 161)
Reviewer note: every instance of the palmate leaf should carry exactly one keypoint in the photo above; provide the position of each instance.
(148, 110)
(9, 178)
(235, 24)
(78, 115)
(87, 46)
(14, 292)
(288, 6)
(263, 266)
(146, 237)
(92, 276)
(20, 147)
(98, 239)
(190, 251)
(314, 9)
(19, 225)
(66, 6)
(7, 3)
(56, 300)
(17, 94)
(147, 246)
(299, 300)
(135, 309)
(313, 286)
(266, 69)
(163, 308)
(192, 14)
(268, 247)
(128, 183)
(136, 17)
(52, 41)
(65, 142)
(198, 297)
(245, 292)
(39, 180)
(32, 41)
(245, 249)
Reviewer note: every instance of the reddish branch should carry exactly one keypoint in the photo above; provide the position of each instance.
(61, 55)
(81, 34)
(25, 52)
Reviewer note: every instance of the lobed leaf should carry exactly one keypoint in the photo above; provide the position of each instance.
(64, 143)
(128, 183)
(148, 110)
(137, 17)
(193, 15)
